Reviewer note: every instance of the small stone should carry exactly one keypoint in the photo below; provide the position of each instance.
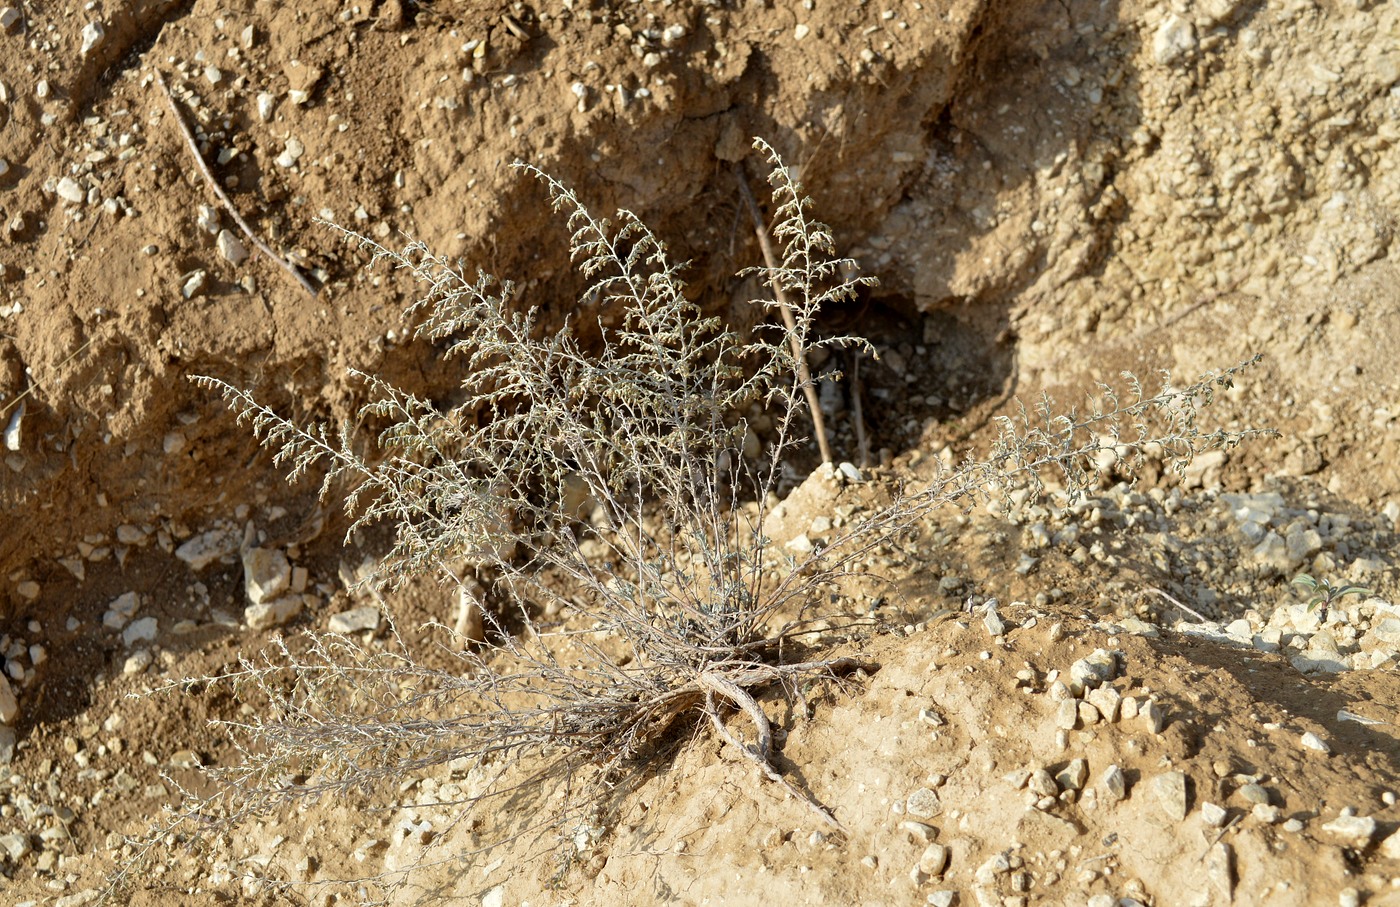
(1088, 715)
(919, 831)
(933, 860)
(120, 610)
(69, 190)
(994, 624)
(28, 590)
(1107, 700)
(1302, 543)
(1220, 869)
(1092, 671)
(9, 18)
(1354, 831)
(1390, 847)
(192, 284)
(923, 803)
(1386, 631)
(365, 618)
(1212, 815)
(291, 154)
(9, 705)
(143, 630)
(1154, 716)
(7, 745)
(1042, 784)
(93, 35)
(130, 535)
(1128, 710)
(1293, 826)
(15, 846)
(1240, 629)
(932, 718)
(1073, 776)
(1253, 793)
(202, 550)
(1170, 788)
(12, 435)
(266, 102)
(1265, 813)
(800, 544)
(137, 662)
(1139, 627)
(265, 615)
(1349, 897)
(1313, 742)
(1067, 714)
(987, 873)
(802, 31)
(1114, 783)
(231, 248)
(266, 574)
(944, 898)
(1175, 38)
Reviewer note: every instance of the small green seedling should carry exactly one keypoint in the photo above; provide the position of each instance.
(1322, 593)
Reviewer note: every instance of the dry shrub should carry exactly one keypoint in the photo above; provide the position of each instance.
(608, 483)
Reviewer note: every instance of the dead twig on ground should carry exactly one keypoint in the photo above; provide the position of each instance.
(223, 197)
(1196, 614)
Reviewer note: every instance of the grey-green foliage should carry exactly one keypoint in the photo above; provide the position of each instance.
(641, 425)
(608, 482)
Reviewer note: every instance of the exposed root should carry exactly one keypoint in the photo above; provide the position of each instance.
(718, 683)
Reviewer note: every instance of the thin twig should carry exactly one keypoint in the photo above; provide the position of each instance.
(1196, 614)
(1234, 820)
(804, 374)
(858, 413)
(33, 383)
(219, 191)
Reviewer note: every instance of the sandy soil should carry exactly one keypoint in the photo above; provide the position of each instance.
(1049, 193)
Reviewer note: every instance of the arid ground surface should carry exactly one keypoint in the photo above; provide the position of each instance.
(1049, 193)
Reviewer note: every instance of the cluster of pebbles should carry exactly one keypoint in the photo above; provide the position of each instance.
(1195, 537)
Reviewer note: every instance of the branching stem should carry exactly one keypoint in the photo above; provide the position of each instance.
(804, 374)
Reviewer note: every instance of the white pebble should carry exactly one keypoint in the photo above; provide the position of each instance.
(231, 248)
(291, 154)
(1313, 742)
(93, 36)
(70, 191)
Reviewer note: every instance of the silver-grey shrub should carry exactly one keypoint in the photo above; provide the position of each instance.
(605, 482)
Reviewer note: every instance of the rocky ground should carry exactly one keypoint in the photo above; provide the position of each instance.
(1049, 193)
